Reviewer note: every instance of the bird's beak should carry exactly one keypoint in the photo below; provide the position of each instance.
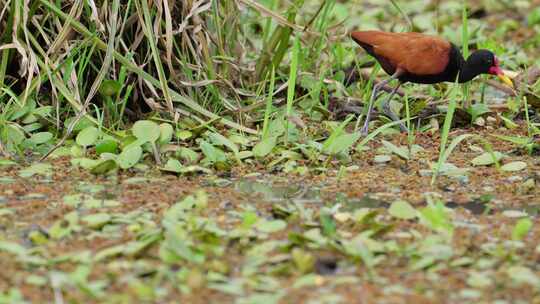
(495, 70)
(506, 80)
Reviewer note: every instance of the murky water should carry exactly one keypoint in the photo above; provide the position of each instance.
(280, 192)
(306, 194)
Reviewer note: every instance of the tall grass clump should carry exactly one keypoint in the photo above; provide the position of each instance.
(194, 63)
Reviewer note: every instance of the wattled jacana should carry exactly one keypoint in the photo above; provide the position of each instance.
(419, 58)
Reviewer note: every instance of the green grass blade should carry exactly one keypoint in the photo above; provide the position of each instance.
(292, 85)
(269, 99)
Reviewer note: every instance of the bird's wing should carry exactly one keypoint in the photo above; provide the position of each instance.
(415, 53)
(426, 56)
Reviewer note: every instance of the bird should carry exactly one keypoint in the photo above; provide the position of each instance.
(424, 59)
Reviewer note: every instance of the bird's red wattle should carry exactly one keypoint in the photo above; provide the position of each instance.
(495, 70)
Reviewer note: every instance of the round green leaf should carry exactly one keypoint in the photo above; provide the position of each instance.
(106, 146)
(165, 133)
(30, 118)
(129, 157)
(402, 210)
(264, 147)
(96, 220)
(382, 158)
(522, 227)
(80, 125)
(486, 158)
(103, 167)
(109, 87)
(514, 166)
(146, 130)
(271, 226)
(184, 134)
(32, 127)
(41, 137)
(15, 134)
(127, 140)
(173, 165)
(87, 137)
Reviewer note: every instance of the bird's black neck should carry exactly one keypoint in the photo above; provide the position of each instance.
(467, 71)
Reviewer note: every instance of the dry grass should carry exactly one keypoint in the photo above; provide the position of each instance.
(179, 58)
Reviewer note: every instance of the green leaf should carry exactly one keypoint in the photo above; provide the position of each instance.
(82, 124)
(382, 158)
(534, 16)
(270, 226)
(373, 134)
(103, 166)
(276, 128)
(184, 134)
(110, 252)
(64, 226)
(12, 248)
(96, 221)
(233, 287)
(188, 155)
(86, 163)
(340, 143)
(514, 166)
(146, 130)
(219, 139)
(19, 111)
(173, 165)
(87, 137)
(6, 163)
(110, 87)
(165, 133)
(106, 146)
(41, 137)
(249, 218)
(478, 109)
(479, 280)
(38, 168)
(335, 134)
(307, 281)
(32, 127)
(518, 140)
(402, 210)
(129, 157)
(328, 224)
(522, 274)
(303, 260)
(212, 153)
(265, 146)
(402, 152)
(436, 217)
(522, 227)
(43, 111)
(14, 134)
(487, 158)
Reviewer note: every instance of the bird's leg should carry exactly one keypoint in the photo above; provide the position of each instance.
(376, 89)
(388, 111)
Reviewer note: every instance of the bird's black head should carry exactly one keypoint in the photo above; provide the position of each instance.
(485, 62)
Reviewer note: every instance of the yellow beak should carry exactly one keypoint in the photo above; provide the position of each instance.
(506, 80)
